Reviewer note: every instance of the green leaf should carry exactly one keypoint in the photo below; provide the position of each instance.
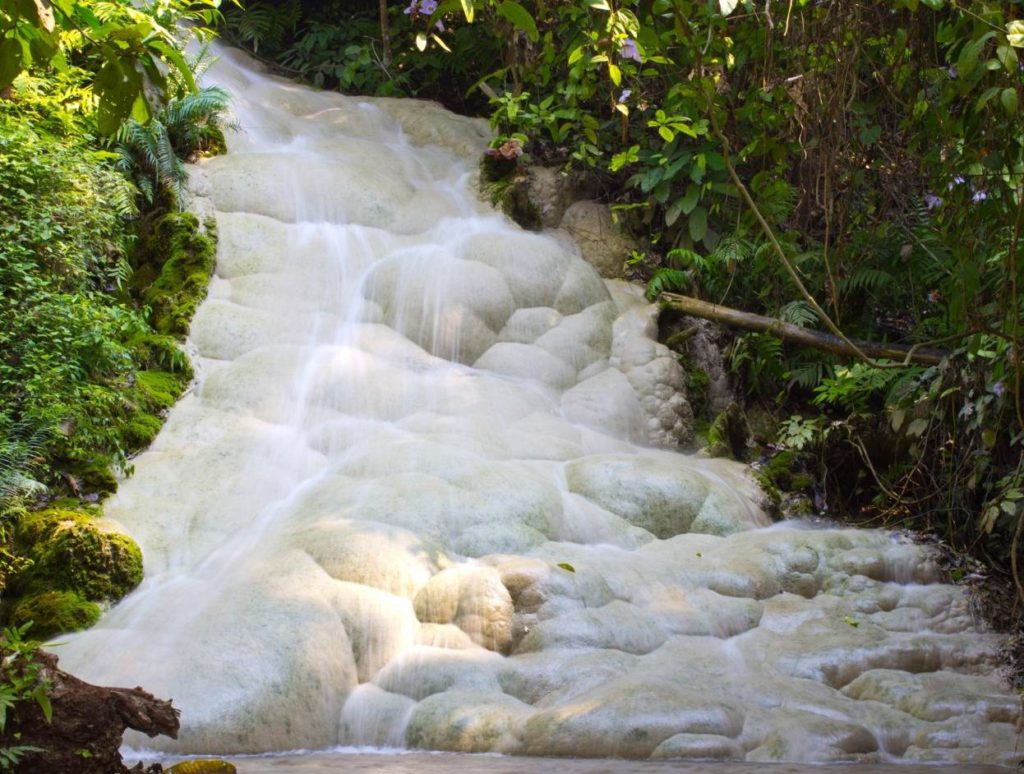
(1009, 58)
(985, 97)
(174, 57)
(698, 224)
(467, 10)
(519, 17)
(896, 420)
(666, 134)
(140, 110)
(970, 55)
(690, 198)
(851, 621)
(11, 61)
(39, 694)
(869, 136)
(614, 73)
(118, 84)
(1008, 98)
(440, 42)
(673, 212)
(728, 6)
(917, 427)
(566, 566)
(421, 43)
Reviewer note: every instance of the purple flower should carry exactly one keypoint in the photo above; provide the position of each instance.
(932, 201)
(440, 25)
(953, 72)
(628, 50)
(625, 95)
(999, 388)
(979, 196)
(934, 296)
(427, 7)
(412, 8)
(957, 180)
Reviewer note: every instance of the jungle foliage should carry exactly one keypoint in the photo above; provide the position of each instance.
(93, 304)
(855, 167)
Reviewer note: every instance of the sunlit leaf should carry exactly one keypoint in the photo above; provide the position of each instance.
(1015, 33)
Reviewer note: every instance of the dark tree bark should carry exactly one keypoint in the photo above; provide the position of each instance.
(88, 722)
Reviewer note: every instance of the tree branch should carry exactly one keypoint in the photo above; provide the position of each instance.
(803, 336)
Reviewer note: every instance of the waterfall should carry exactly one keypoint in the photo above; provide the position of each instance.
(415, 498)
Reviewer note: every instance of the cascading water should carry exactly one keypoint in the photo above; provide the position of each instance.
(411, 502)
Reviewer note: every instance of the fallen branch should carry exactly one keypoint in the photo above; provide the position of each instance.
(84, 733)
(803, 336)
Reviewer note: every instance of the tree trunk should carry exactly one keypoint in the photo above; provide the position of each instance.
(797, 335)
(84, 734)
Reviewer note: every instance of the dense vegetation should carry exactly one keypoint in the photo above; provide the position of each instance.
(99, 274)
(855, 168)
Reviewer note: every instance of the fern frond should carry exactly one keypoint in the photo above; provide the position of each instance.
(865, 279)
(798, 313)
(667, 279)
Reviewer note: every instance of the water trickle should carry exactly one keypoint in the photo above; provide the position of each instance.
(414, 499)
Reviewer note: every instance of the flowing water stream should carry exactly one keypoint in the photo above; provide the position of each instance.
(415, 499)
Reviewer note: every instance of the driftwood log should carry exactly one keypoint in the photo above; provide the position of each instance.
(794, 333)
(84, 734)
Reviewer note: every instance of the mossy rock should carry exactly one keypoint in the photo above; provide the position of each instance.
(161, 352)
(697, 382)
(93, 477)
(69, 552)
(159, 389)
(140, 431)
(54, 612)
(784, 471)
(202, 766)
(185, 257)
(729, 434)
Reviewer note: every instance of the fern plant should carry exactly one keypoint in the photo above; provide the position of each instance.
(152, 155)
(262, 24)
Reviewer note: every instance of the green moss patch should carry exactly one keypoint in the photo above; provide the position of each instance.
(70, 553)
(54, 612)
(181, 257)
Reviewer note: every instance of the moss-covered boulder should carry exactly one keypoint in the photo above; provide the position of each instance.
(53, 612)
(729, 434)
(70, 551)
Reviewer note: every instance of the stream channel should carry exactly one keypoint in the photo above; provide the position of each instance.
(421, 497)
